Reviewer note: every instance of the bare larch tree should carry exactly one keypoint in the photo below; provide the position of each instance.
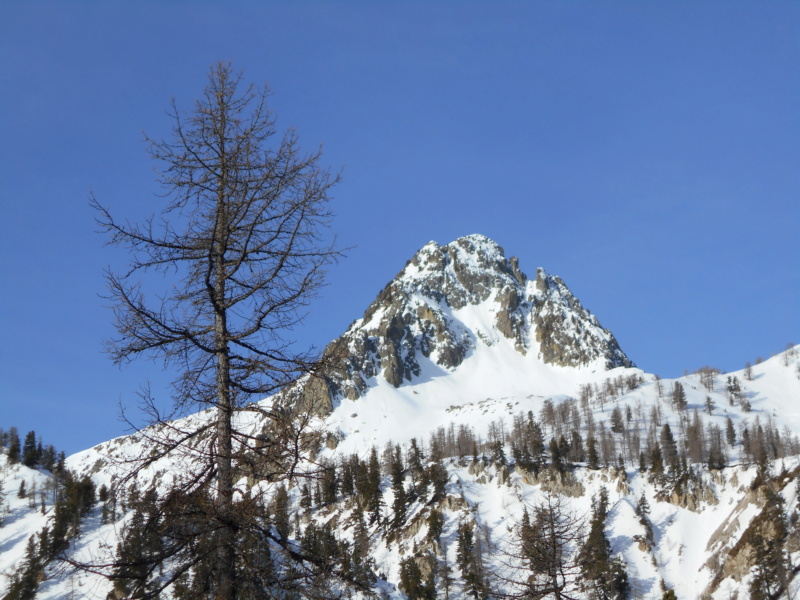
(242, 243)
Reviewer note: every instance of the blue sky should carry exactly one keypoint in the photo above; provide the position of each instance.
(648, 153)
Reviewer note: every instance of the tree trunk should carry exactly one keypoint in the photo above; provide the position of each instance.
(226, 566)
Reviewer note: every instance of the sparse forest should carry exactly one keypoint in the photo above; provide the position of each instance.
(319, 531)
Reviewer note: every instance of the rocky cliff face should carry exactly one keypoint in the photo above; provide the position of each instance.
(420, 315)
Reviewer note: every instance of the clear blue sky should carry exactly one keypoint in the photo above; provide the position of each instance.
(648, 153)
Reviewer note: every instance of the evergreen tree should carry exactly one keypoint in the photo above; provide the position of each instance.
(305, 496)
(415, 459)
(617, 423)
(468, 561)
(14, 447)
(136, 572)
(48, 458)
(76, 500)
(360, 538)
(669, 447)
(604, 577)
(330, 485)
(576, 450)
(413, 584)
(373, 496)
(400, 502)
(643, 512)
(60, 465)
(30, 456)
(280, 513)
(734, 389)
(435, 525)
(498, 453)
(593, 460)
(556, 458)
(678, 396)
(25, 580)
(349, 473)
(438, 477)
(656, 461)
(771, 559)
(730, 432)
(535, 442)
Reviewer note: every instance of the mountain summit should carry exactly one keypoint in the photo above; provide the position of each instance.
(451, 299)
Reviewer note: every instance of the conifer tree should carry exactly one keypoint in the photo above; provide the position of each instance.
(305, 496)
(770, 559)
(435, 525)
(140, 543)
(413, 584)
(678, 396)
(643, 512)
(545, 541)
(438, 477)
(576, 450)
(468, 562)
(14, 447)
(400, 502)
(734, 389)
(617, 423)
(669, 447)
(280, 512)
(730, 432)
(25, 580)
(593, 459)
(373, 495)
(656, 461)
(243, 236)
(604, 577)
(330, 485)
(30, 456)
(556, 458)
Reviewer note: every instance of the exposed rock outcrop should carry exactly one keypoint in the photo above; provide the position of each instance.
(556, 482)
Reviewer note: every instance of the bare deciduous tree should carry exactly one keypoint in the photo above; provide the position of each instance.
(242, 242)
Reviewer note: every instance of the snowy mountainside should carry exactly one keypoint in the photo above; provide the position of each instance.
(694, 528)
(459, 357)
(20, 517)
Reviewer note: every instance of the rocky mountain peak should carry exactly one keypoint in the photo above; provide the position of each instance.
(432, 309)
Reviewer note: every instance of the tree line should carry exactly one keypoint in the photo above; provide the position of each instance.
(31, 452)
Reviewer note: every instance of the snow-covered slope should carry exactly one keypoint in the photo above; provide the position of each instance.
(462, 343)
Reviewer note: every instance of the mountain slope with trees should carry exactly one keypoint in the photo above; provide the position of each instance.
(506, 475)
